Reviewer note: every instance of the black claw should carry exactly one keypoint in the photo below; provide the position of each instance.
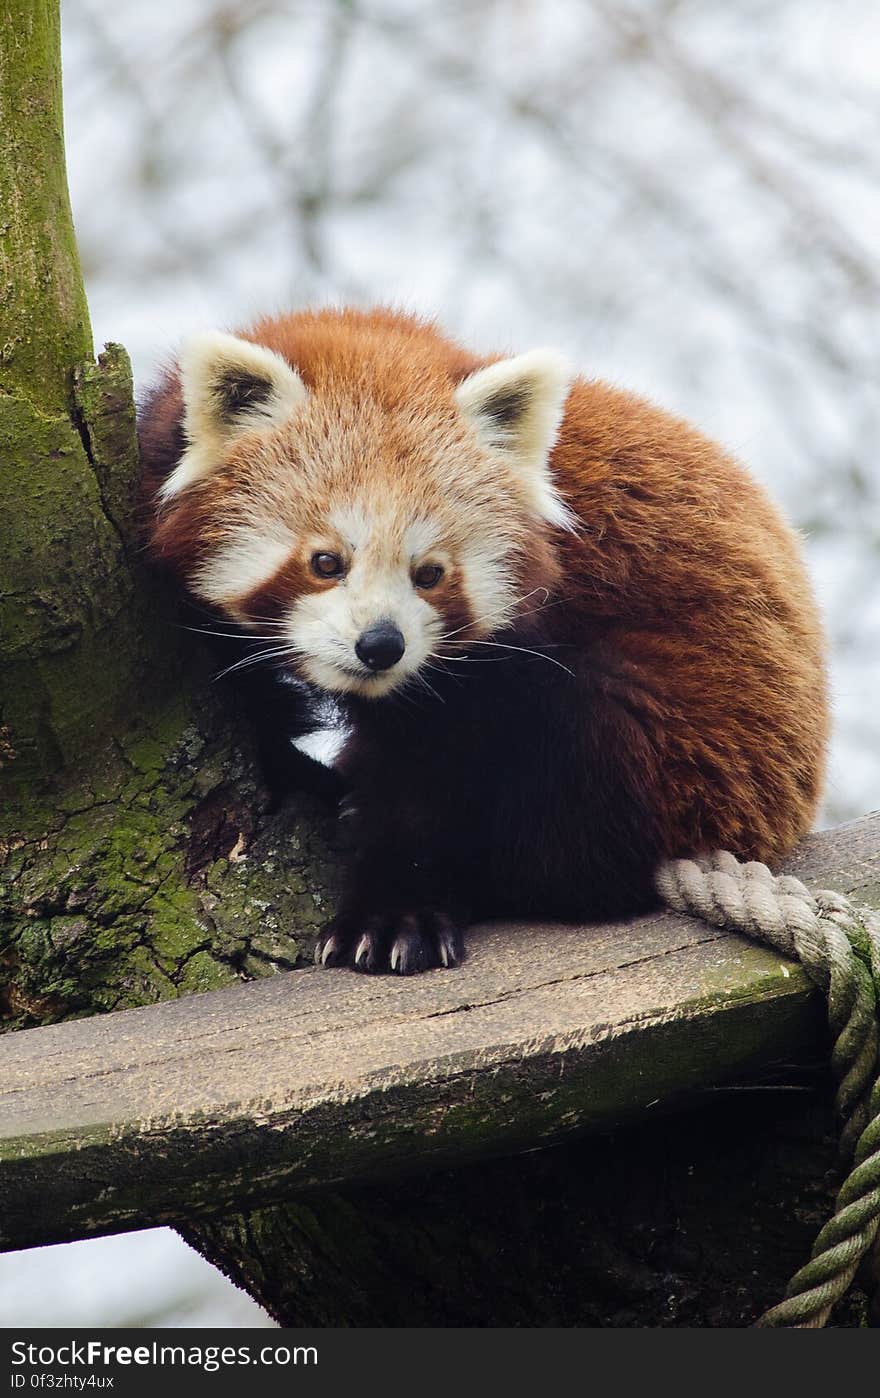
(411, 953)
(331, 949)
(403, 943)
(370, 949)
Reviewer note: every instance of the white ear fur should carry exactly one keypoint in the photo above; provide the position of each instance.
(516, 406)
(229, 387)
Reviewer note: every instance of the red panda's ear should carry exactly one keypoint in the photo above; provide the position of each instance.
(516, 407)
(230, 386)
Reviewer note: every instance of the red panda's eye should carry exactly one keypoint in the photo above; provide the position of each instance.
(428, 575)
(327, 565)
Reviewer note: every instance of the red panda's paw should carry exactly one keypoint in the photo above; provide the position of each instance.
(400, 942)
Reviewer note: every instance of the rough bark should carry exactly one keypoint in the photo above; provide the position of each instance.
(696, 1220)
(45, 317)
(69, 610)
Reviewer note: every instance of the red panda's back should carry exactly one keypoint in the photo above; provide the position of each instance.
(706, 628)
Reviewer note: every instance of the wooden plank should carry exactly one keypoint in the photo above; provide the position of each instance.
(244, 1096)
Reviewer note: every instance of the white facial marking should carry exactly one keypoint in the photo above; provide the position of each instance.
(420, 538)
(489, 585)
(325, 626)
(353, 524)
(247, 561)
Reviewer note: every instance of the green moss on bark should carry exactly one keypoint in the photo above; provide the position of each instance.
(44, 320)
(77, 638)
(84, 630)
(62, 587)
(689, 1221)
(105, 414)
(161, 871)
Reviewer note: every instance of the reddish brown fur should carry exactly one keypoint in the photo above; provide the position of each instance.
(711, 634)
(683, 588)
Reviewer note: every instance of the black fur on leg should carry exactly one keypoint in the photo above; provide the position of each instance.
(278, 707)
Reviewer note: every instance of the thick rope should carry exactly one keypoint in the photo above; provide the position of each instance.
(839, 947)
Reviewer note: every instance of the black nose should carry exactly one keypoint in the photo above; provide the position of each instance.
(380, 646)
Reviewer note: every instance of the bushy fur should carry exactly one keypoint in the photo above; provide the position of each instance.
(622, 661)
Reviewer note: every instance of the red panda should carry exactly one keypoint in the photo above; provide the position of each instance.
(572, 637)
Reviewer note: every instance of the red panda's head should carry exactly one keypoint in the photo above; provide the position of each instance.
(365, 512)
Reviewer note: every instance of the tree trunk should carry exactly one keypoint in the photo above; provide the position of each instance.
(140, 856)
(695, 1220)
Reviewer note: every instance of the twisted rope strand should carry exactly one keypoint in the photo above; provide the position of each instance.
(839, 947)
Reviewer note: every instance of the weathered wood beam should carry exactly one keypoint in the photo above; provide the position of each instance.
(248, 1095)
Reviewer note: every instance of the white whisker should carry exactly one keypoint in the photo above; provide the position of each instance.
(470, 659)
(223, 635)
(525, 651)
(276, 653)
(491, 616)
